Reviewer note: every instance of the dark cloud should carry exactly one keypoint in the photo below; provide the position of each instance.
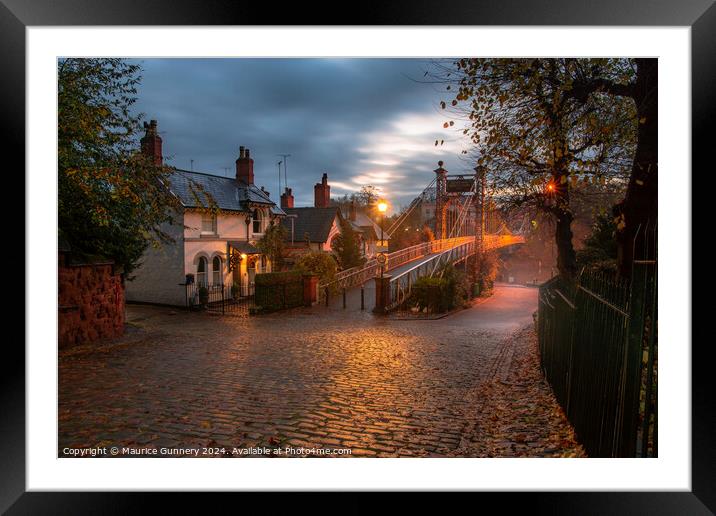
(363, 121)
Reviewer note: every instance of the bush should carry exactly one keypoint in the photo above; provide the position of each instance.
(487, 267)
(321, 264)
(278, 290)
(441, 294)
(429, 293)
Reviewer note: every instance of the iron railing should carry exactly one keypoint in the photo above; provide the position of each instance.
(224, 299)
(400, 286)
(597, 340)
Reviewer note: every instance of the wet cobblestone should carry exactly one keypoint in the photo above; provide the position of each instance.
(320, 377)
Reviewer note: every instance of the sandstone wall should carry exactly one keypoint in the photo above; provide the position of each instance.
(91, 303)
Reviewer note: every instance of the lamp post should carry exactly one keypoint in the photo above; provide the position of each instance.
(382, 208)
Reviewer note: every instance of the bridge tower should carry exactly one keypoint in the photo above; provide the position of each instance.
(441, 202)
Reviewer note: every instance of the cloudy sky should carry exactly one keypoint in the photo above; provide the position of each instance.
(362, 121)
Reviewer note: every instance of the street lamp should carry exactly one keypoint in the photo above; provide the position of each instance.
(382, 208)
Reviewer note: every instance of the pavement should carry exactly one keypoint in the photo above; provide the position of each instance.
(321, 378)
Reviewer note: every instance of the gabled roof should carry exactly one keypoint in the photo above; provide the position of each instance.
(365, 223)
(228, 193)
(317, 222)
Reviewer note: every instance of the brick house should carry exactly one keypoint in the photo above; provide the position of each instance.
(209, 249)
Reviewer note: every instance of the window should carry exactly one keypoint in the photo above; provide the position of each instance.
(201, 269)
(256, 216)
(217, 277)
(208, 223)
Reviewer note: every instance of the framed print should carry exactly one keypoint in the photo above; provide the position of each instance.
(416, 250)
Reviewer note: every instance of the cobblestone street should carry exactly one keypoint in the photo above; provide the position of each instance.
(320, 377)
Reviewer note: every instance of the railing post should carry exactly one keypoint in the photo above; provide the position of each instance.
(382, 285)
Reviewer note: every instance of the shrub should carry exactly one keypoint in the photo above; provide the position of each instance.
(429, 293)
(278, 290)
(441, 294)
(487, 267)
(321, 264)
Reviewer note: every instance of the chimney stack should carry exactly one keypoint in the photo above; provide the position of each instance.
(287, 199)
(245, 167)
(322, 193)
(151, 143)
(352, 211)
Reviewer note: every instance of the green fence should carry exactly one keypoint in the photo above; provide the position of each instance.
(278, 291)
(598, 345)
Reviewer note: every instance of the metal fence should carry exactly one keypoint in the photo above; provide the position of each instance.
(598, 345)
(223, 299)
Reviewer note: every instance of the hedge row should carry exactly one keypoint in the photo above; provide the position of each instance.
(278, 290)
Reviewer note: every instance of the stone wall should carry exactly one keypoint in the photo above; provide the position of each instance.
(91, 303)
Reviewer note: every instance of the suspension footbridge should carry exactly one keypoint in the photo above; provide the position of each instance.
(462, 228)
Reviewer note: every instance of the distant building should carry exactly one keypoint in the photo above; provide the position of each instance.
(209, 249)
(314, 228)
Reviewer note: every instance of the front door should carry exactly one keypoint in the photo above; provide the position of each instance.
(252, 262)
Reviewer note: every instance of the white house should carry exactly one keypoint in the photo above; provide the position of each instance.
(211, 248)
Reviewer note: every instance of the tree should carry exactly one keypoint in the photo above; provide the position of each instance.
(273, 244)
(363, 199)
(536, 139)
(600, 247)
(319, 263)
(112, 200)
(347, 247)
(639, 207)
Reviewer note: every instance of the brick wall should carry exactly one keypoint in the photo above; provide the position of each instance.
(91, 303)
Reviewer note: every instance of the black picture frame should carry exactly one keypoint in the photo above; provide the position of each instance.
(17, 15)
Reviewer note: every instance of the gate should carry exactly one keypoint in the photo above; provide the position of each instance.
(221, 299)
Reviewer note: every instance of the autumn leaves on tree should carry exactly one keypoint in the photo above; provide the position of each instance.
(544, 128)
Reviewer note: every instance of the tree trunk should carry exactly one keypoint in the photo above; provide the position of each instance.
(566, 258)
(638, 210)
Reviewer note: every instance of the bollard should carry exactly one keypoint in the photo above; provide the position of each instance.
(344, 297)
(362, 297)
(326, 296)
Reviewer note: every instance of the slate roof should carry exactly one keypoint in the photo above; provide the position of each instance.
(317, 222)
(228, 193)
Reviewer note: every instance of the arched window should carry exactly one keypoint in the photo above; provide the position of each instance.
(217, 277)
(201, 270)
(256, 216)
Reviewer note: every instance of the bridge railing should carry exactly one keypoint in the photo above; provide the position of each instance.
(359, 275)
(400, 286)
